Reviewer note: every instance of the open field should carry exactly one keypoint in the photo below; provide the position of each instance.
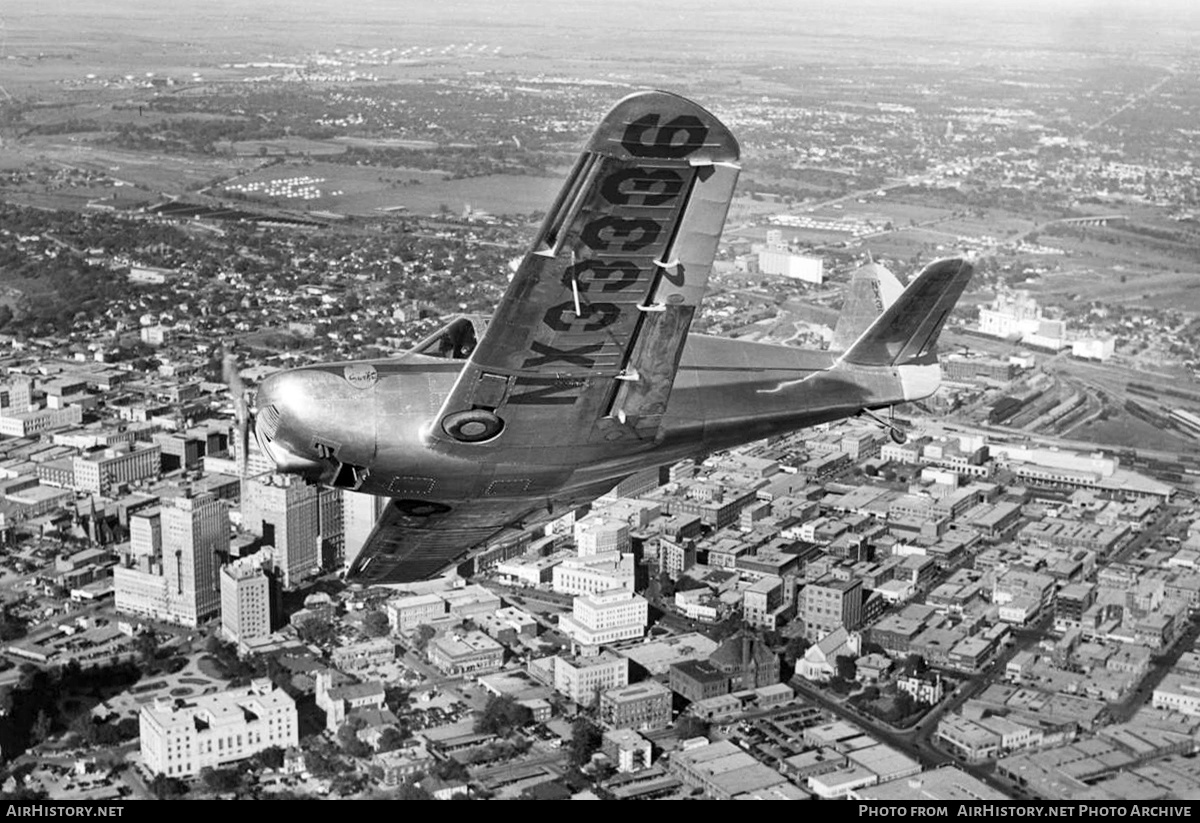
(1149, 289)
(154, 172)
(285, 146)
(362, 190)
(1126, 431)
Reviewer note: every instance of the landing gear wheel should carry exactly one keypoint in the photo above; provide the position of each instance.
(898, 437)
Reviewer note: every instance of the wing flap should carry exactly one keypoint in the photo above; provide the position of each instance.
(641, 400)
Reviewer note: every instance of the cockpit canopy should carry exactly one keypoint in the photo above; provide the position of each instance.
(455, 340)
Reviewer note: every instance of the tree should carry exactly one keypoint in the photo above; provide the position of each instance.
(107, 734)
(84, 729)
(795, 649)
(391, 739)
(316, 630)
(501, 715)
(168, 788)
(270, 758)
(450, 769)
(666, 586)
(915, 665)
(348, 738)
(412, 791)
(396, 699)
(376, 624)
(220, 780)
(846, 668)
(12, 627)
(586, 738)
(904, 705)
(345, 784)
(41, 727)
(146, 644)
(422, 636)
(319, 764)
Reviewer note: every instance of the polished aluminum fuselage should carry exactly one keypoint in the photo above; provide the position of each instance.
(377, 417)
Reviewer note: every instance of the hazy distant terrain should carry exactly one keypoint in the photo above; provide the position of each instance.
(621, 34)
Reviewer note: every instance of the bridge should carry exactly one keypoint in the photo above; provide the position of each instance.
(1091, 220)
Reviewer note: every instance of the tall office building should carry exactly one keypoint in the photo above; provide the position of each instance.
(828, 604)
(245, 600)
(195, 538)
(299, 520)
(333, 529)
(16, 394)
(170, 573)
(359, 513)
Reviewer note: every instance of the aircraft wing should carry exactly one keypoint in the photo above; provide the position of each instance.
(415, 539)
(584, 346)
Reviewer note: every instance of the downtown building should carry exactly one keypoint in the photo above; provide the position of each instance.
(829, 604)
(29, 423)
(606, 617)
(302, 522)
(640, 706)
(249, 599)
(582, 678)
(179, 737)
(360, 512)
(594, 573)
(105, 470)
(171, 571)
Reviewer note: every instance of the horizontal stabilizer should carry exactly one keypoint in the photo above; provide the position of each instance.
(908, 329)
(871, 291)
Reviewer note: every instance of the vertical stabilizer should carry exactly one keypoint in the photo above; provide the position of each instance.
(907, 330)
(871, 291)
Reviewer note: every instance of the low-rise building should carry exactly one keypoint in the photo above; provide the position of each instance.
(642, 706)
(457, 653)
(406, 613)
(1178, 693)
(594, 573)
(628, 750)
(723, 771)
(368, 653)
(696, 680)
(583, 678)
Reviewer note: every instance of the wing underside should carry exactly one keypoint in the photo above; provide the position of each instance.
(416, 539)
(584, 346)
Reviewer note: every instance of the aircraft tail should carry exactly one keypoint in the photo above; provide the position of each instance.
(906, 331)
(871, 291)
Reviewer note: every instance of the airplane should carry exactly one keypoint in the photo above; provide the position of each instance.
(586, 373)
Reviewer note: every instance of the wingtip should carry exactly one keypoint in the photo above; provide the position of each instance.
(662, 125)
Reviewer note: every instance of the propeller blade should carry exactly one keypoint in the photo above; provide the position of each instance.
(241, 409)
